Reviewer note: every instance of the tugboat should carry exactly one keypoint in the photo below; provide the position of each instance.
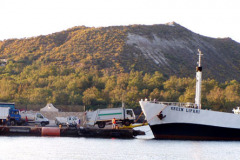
(175, 120)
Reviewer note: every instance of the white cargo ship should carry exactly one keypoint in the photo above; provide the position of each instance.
(174, 120)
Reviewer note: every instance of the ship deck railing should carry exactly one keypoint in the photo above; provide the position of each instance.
(177, 104)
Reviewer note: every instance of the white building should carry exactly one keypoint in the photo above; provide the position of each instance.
(49, 108)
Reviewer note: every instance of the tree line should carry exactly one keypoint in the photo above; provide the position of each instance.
(67, 85)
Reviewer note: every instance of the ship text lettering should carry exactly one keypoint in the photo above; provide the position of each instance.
(192, 110)
(189, 110)
(177, 109)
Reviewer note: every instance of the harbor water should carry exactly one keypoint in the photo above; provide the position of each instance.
(140, 148)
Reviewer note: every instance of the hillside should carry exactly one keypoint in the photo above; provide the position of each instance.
(172, 50)
(85, 65)
(168, 48)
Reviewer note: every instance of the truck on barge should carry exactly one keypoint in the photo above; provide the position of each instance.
(101, 117)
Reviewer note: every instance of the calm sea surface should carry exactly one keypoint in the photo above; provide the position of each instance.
(141, 148)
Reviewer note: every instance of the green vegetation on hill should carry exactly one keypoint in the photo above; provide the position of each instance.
(96, 67)
(38, 84)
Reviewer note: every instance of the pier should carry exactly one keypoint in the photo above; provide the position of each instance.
(68, 132)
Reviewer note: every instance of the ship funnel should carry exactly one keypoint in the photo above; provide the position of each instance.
(198, 81)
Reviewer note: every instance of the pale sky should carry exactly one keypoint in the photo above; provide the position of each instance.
(28, 18)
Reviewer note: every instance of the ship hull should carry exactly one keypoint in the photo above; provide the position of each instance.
(177, 122)
(181, 131)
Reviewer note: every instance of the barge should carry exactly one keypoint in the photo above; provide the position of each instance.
(68, 132)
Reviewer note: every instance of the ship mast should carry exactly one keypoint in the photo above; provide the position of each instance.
(198, 81)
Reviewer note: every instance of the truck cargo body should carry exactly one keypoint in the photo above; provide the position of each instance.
(4, 112)
(103, 116)
(10, 105)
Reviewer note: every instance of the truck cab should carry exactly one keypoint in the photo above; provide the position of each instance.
(40, 119)
(15, 117)
(72, 121)
(129, 114)
(129, 117)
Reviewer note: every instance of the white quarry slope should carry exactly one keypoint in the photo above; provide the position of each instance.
(171, 50)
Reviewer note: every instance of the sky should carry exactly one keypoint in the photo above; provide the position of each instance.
(30, 18)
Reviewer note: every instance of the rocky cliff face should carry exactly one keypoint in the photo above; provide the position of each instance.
(172, 49)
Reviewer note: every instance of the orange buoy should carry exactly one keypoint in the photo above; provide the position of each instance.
(50, 131)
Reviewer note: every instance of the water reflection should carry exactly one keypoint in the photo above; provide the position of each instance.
(141, 148)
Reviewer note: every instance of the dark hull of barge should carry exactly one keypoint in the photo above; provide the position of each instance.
(68, 132)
